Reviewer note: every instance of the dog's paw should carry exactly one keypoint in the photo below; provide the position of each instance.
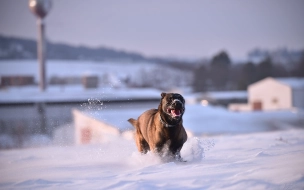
(179, 158)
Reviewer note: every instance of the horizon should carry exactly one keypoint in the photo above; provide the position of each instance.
(164, 29)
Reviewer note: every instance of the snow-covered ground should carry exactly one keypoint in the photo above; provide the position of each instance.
(228, 150)
(114, 74)
(227, 95)
(71, 68)
(258, 158)
(74, 93)
(272, 160)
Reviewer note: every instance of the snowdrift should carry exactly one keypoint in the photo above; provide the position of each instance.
(269, 160)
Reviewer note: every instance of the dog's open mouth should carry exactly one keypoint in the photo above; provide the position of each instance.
(175, 112)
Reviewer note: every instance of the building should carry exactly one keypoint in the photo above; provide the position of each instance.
(16, 80)
(89, 130)
(90, 81)
(273, 94)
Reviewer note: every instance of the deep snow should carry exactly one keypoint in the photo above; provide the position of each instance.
(272, 160)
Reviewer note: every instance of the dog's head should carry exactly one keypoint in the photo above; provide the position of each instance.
(172, 106)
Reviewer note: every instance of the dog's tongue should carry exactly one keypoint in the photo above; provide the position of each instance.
(176, 112)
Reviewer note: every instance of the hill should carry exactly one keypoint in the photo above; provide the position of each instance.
(18, 48)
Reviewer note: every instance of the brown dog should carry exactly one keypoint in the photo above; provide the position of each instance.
(161, 130)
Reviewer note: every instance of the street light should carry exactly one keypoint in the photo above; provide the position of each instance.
(40, 8)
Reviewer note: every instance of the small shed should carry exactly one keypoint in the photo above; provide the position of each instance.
(273, 94)
(91, 131)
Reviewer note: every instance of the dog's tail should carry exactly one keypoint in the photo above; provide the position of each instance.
(133, 122)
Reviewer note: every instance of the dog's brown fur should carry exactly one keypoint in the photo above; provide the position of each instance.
(154, 135)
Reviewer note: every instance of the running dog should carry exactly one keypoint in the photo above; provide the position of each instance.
(161, 130)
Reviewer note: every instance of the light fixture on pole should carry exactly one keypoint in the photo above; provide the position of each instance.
(40, 8)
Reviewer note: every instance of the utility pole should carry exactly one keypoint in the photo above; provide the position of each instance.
(40, 8)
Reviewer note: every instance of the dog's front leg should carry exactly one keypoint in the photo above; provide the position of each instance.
(158, 149)
(178, 157)
(176, 154)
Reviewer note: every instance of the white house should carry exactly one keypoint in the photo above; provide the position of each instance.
(273, 94)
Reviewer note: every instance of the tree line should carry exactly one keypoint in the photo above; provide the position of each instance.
(221, 74)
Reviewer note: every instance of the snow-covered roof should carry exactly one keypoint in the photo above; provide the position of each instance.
(293, 82)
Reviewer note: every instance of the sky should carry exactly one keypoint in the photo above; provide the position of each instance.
(170, 28)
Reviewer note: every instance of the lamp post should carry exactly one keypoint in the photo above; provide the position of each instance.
(40, 8)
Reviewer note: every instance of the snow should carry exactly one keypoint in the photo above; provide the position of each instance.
(227, 150)
(73, 93)
(272, 160)
(110, 73)
(63, 67)
(227, 95)
(242, 153)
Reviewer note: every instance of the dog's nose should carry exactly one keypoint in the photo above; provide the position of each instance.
(177, 102)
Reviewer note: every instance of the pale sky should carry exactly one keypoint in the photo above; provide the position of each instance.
(188, 28)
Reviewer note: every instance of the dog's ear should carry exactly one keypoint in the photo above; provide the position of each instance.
(183, 99)
(160, 104)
